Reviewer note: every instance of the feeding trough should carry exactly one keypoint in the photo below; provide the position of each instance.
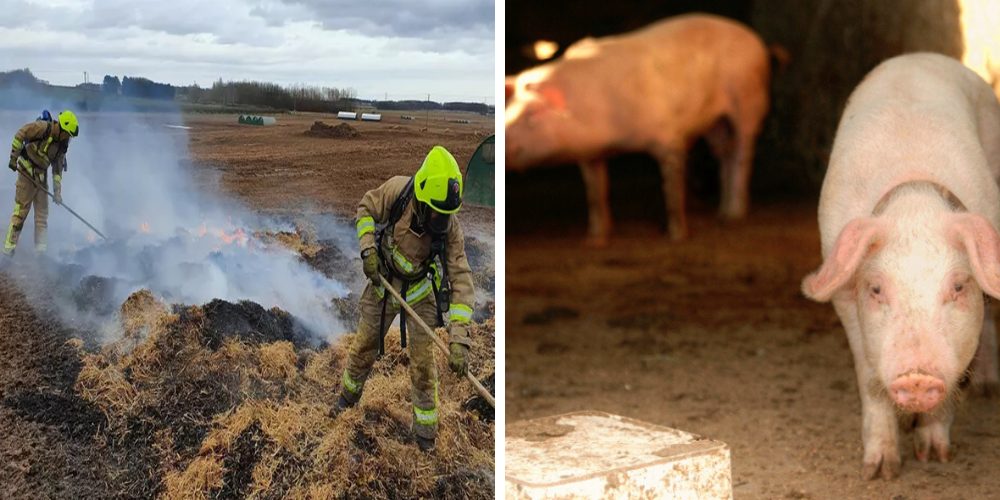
(599, 455)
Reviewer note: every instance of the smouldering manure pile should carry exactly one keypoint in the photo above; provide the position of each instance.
(196, 404)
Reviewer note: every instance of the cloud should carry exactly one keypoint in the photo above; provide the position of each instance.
(405, 49)
(403, 18)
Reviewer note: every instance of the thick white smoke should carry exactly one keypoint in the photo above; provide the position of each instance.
(169, 229)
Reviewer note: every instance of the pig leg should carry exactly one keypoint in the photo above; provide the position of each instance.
(595, 180)
(984, 377)
(720, 140)
(932, 433)
(736, 175)
(672, 169)
(879, 427)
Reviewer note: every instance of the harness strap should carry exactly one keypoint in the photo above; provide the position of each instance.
(402, 314)
(440, 316)
(381, 327)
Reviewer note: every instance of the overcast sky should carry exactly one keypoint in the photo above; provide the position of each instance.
(406, 48)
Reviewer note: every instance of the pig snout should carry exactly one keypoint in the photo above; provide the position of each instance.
(917, 393)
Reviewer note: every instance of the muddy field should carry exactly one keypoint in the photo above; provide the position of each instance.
(712, 336)
(281, 168)
(228, 399)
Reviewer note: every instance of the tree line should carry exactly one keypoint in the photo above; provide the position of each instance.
(243, 93)
(295, 97)
(475, 107)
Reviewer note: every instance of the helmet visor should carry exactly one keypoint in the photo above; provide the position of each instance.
(452, 201)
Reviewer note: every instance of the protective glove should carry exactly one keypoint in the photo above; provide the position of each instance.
(13, 163)
(459, 349)
(57, 196)
(369, 260)
(457, 360)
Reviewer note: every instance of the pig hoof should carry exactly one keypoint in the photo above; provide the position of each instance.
(887, 467)
(677, 235)
(924, 455)
(732, 215)
(930, 441)
(596, 242)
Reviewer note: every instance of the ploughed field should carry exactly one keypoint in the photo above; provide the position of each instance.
(230, 399)
(712, 336)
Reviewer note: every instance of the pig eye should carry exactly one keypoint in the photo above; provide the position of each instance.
(959, 287)
(876, 290)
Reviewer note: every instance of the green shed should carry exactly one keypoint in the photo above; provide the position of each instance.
(479, 176)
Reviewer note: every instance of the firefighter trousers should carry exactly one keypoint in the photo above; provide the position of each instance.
(423, 369)
(26, 195)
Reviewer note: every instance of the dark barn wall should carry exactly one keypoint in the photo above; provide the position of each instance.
(832, 45)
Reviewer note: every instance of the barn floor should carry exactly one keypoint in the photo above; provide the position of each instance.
(712, 336)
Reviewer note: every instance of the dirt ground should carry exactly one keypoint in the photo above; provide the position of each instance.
(277, 166)
(712, 336)
(57, 443)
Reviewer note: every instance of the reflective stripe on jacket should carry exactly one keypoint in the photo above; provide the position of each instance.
(407, 249)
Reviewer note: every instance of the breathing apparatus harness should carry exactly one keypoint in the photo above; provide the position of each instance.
(439, 251)
(49, 138)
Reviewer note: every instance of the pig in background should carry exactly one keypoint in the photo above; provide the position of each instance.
(655, 90)
(908, 216)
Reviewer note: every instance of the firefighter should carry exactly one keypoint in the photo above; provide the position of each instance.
(408, 231)
(37, 146)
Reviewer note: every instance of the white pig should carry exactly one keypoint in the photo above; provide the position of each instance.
(655, 90)
(908, 216)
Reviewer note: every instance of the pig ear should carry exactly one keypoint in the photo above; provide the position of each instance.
(508, 86)
(982, 243)
(855, 242)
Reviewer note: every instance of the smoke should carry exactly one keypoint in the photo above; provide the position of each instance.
(170, 228)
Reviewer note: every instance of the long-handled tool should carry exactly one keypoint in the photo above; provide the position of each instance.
(70, 210)
(437, 340)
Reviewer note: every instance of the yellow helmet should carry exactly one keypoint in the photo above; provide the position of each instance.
(67, 122)
(438, 182)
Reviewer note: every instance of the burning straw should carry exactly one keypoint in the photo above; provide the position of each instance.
(190, 418)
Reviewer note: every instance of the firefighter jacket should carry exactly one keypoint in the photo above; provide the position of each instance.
(407, 250)
(41, 144)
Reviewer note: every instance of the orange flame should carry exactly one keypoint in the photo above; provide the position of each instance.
(238, 236)
(144, 228)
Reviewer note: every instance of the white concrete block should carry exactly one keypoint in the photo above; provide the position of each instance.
(599, 455)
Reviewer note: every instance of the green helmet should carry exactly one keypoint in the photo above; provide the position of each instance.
(67, 122)
(438, 183)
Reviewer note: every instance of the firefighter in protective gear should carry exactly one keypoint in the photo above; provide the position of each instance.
(408, 232)
(36, 147)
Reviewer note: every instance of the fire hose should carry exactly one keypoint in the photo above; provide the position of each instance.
(437, 340)
(70, 210)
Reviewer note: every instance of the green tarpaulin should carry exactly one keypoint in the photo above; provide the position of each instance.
(479, 177)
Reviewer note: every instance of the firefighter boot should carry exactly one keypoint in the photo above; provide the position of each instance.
(425, 444)
(350, 393)
(344, 401)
